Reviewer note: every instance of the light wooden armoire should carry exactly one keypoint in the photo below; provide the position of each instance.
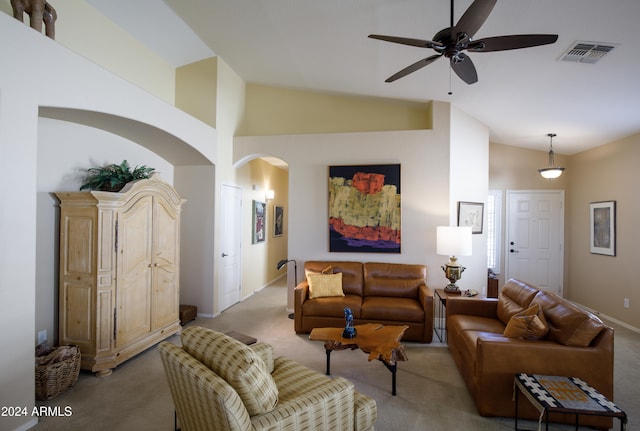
(119, 271)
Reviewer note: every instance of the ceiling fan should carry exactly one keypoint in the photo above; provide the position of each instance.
(452, 41)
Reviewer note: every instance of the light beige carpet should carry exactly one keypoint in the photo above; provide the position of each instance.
(431, 393)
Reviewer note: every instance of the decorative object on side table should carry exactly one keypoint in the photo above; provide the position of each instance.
(453, 241)
(349, 330)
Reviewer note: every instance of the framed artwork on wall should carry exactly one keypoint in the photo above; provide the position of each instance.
(470, 214)
(258, 235)
(278, 220)
(602, 221)
(364, 208)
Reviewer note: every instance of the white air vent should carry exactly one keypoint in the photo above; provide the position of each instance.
(587, 52)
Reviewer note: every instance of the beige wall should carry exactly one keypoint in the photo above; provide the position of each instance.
(277, 111)
(606, 173)
(515, 168)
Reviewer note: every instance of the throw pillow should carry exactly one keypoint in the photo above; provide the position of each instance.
(529, 324)
(237, 364)
(322, 285)
(326, 270)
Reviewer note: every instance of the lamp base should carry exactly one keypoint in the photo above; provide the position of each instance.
(452, 288)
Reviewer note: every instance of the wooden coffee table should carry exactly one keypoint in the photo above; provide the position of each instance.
(379, 341)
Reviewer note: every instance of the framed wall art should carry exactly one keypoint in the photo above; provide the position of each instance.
(602, 222)
(258, 222)
(470, 214)
(278, 220)
(364, 208)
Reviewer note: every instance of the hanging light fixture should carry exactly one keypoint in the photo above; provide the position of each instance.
(551, 171)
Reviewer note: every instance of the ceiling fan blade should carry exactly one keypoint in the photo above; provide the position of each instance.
(412, 68)
(516, 41)
(464, 68)
(473, 18)
(421, 43)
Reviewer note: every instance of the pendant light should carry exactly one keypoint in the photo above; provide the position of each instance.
(551, 171)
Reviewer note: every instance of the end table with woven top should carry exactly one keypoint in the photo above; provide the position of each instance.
(558, 394)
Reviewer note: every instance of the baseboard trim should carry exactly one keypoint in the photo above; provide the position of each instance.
(609, 318)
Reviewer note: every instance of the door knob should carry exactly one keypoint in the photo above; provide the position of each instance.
(224, 254)
(514, 251)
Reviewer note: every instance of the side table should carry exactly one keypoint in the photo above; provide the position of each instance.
(557, 394)
(440, 311)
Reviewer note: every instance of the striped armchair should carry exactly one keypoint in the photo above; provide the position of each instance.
(218, 383)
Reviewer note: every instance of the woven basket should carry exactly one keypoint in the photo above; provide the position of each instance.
(54, 379)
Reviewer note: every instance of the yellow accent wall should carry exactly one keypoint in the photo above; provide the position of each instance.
(196, 89)
(260, 260)
(282, 111)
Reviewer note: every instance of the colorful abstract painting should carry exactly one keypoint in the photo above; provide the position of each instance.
(364, 209)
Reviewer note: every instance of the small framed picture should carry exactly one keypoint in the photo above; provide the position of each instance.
(258, 222)
(278, 220)
(470, 214)
(602, 222)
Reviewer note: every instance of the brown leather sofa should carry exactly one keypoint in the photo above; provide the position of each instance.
(577, 344)
(387, 293)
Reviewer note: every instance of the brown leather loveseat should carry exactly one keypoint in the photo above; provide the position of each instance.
(575, 344)
(387, 293)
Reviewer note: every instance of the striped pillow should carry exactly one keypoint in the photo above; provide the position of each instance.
(236, 363)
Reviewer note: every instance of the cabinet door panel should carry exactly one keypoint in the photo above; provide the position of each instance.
(133, 318)
(166, 239)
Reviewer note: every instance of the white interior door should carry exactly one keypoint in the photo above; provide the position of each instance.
(535, 238)
(230, 258)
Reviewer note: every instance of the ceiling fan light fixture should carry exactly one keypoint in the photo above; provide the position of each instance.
(552, 171)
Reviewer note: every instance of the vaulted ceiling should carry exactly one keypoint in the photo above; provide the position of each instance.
(322, 45)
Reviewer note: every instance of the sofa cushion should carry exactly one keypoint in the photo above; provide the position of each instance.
(321, 285)
(332, 306)
(529, 324)
(515, 297)
(237, 364)
(391, 309)
(568, 324)
(393, 279)
(352, 278)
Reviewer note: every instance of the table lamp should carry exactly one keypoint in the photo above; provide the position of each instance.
(453, 241)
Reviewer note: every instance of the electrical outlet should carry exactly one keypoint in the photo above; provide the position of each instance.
(42, 336)
(626, 302)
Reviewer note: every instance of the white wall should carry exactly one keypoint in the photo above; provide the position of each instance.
(431, 185)
(79, 91)
(470, 183)
(424, 187)
(65, 151)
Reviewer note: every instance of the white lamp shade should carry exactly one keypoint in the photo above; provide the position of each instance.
(453, 240)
